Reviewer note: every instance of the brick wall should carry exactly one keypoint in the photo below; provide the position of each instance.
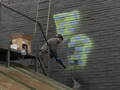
(99, 20)
(12, 22)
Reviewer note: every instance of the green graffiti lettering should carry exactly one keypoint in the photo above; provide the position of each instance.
(68, 24)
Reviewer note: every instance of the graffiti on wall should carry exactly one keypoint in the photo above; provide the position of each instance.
(68, 24)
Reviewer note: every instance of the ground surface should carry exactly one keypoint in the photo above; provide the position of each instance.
(17, 78)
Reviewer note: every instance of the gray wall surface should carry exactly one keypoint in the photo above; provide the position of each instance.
(100, 20)
(12, 22)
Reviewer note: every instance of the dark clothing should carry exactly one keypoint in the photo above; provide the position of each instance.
(46, 53)
(53, 44)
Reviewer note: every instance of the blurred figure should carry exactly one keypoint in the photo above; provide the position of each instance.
(76, 84)
(13, 45)
(49, 52)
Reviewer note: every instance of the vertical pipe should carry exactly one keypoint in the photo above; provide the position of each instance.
(48, 18)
